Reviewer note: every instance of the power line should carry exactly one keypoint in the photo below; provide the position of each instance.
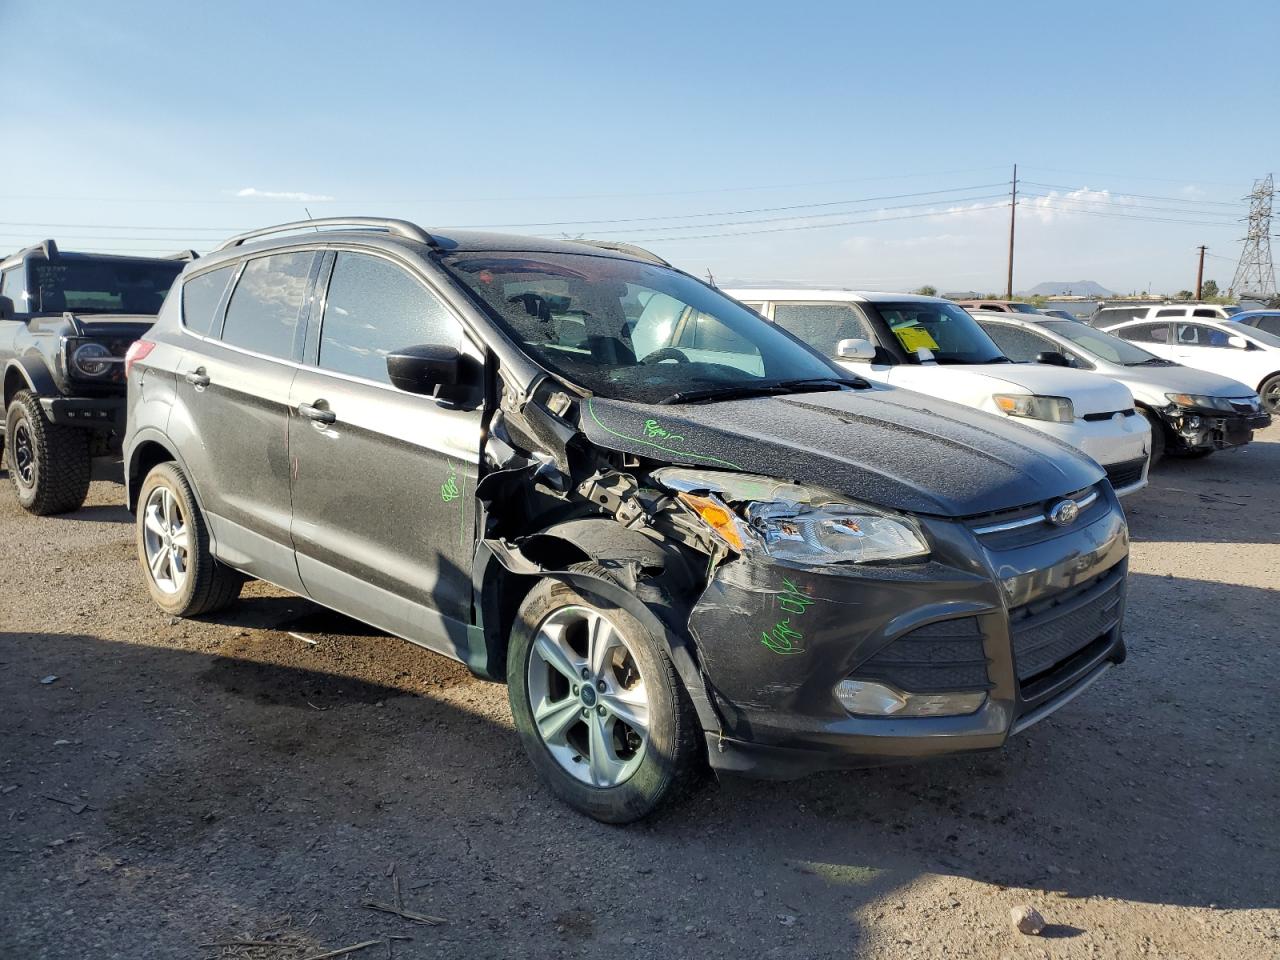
(818, 226)
(1133, 206)
(1139, 196)
(1125, 216)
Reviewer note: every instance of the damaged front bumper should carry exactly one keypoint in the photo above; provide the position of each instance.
(1195, 428)
(1027, 618)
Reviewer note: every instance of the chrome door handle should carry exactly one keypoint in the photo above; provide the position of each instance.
(316, 413)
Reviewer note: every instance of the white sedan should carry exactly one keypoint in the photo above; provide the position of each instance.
(1231, 349)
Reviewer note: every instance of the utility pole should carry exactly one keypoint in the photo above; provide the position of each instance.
(1200, 272)
(1013, 208)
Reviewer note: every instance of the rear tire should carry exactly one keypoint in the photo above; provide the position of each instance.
(48, 464)
(182, 575)
(590, 757)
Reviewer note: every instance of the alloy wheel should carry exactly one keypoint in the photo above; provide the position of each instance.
(588, 696)
(166, 540)
(24, 454)
(1271, 399)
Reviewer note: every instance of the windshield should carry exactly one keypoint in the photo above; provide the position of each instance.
(952, 335)
(633, 331)
(84, 285)
(1264, 338)
(1023, 308)
(1101, 345)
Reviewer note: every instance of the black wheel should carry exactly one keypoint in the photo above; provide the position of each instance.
(173, 547)
(598, 704)
(48, 463)
(1157, 435)
(1270, 393)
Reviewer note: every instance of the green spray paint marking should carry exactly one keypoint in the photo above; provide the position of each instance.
(785, 639)
(652, 429)
(657, 446)
(449, 489)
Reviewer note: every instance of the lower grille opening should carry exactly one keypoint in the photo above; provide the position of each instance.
(1126, 473)
(940, 657)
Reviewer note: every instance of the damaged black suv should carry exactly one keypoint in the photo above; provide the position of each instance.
(679, 535)
(66, 321)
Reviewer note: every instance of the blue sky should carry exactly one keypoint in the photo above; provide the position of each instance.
(145, 123)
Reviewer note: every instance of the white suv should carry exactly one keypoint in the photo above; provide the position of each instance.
(1108, 317)
(932, 346)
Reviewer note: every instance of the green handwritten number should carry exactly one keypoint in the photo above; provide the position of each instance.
(785, 639)
(653, 429)
(782, 638)
(449, 489)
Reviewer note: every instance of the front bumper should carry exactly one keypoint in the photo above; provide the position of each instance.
(1194, 428)
(1119, 443)
(1039, 613)
(100, 413)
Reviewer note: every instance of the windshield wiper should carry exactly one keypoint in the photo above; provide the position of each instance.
(742, 391)
(1153, 362)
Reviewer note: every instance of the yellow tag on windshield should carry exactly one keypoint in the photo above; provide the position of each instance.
(913, 338)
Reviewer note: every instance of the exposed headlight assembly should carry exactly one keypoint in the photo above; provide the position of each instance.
(1197, 400)
(792, 522)
(1056, 409)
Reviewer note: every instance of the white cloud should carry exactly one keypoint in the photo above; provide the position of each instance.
(295, 195)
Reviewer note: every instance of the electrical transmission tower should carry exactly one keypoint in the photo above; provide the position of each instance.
(1256, 274)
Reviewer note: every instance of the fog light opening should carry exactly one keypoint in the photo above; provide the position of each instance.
(866, 698)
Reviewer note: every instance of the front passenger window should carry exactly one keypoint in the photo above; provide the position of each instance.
(373, 309)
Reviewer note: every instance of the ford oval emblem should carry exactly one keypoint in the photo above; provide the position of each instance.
(1064, 512)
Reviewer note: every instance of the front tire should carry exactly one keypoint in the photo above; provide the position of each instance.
(598, 705)
(1270, 393)
(182, 575)
(1157, 435)
(48, 464)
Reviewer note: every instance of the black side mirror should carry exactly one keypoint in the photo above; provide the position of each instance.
(6, 308)
(1053, 358)
(433, 370)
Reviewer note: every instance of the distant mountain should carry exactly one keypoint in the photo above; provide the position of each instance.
(1077, 288)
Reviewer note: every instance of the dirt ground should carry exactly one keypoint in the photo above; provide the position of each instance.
(241, 787)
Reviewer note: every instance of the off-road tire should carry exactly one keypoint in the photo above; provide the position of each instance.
(210, 585)
(673, 762)
(60, 467)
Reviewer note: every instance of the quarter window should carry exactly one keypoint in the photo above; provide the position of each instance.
(263, 313)
(200, 298)
(373, 309)
(823, 325)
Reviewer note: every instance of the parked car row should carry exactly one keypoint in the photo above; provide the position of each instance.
(769, 535)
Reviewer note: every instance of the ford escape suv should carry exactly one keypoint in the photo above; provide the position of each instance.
(679, 535)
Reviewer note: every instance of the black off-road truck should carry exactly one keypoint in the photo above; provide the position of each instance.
(66, 322)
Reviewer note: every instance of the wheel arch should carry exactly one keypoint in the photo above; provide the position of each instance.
(504, 575)
(25, 373)
(147, 450)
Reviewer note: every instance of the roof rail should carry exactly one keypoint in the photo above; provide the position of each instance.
(399, 228)
(640, 253)
(182, 255)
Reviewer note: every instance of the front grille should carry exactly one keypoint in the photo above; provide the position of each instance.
(942, 656)
(1047, 633)
(1023, 526)
(1095, 417)
(1125, 474)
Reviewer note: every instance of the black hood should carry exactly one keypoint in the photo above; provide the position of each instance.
(890, 448)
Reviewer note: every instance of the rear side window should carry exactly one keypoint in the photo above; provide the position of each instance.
(373, 309)
(823, 325)
(1145, 333)
(1205, 312)
(200, 298)
(1180, 312)
(1017, 344)
(11, 287)
(263, 313)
